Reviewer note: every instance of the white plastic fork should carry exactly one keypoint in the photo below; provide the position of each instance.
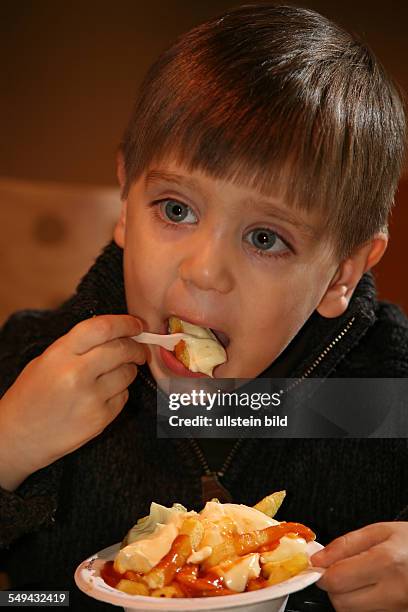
(167, 341)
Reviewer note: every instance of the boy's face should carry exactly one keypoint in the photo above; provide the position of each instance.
(221, 256)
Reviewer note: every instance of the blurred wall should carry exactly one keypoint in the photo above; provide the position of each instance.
(71, 69)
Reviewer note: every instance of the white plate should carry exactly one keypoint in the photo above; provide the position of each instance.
(88, 579)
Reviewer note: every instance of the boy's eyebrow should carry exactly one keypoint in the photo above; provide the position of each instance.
(266, 207)
(155, 176)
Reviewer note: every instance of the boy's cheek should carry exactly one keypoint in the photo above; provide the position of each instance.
(141, 284)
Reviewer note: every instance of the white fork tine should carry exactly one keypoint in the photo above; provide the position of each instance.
(167, 341)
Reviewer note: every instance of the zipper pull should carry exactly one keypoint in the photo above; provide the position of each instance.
(211, 487)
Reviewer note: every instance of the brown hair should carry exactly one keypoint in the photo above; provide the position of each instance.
(278, 98)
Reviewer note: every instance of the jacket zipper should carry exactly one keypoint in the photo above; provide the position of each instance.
(306, 374)
(210, 482)
(322, 355)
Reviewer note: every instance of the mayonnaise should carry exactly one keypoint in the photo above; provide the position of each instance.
(200, 555)
(204, 349)
(142, 555)
(237, 573)
(243, 517)
(288, 547)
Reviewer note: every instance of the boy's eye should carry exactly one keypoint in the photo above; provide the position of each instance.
(176, 211)
(267, 240)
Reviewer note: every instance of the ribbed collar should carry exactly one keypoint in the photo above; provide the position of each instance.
(316, 350)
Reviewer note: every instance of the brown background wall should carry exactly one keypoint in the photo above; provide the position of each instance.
(70, 70)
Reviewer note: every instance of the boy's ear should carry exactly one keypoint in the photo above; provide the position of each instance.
(337, 296)
(120, 227)
(120, 170)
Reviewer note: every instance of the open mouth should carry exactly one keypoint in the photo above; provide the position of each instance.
(202, 352)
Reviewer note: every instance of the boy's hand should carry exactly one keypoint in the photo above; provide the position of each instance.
(68, 395)
(367, 569)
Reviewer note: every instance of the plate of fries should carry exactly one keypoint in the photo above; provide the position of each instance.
(227, 556)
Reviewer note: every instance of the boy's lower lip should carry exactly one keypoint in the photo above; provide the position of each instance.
(173, 364)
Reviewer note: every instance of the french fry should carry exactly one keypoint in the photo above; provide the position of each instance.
(171, 591)
(246, 543)
(175, 325)
(182, 354)
(188, 574)
(132, 587)
(278, 571)
(180, 350)
(131, 575)
(250, 542)
(270, 504)
(194, 529)
(163, 573)
(205, 586)
(237, 545)
(223, 550)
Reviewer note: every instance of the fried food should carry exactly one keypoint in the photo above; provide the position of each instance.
(278, 571)
(202, 352)
(222, 550)
(132, 588)
(270, 504)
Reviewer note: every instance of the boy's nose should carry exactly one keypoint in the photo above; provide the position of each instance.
(208, 266)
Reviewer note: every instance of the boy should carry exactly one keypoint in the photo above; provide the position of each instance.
(257, 174)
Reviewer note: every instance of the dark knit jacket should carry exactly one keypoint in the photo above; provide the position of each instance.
(90, 498)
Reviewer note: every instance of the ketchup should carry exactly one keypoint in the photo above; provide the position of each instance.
(110, 575)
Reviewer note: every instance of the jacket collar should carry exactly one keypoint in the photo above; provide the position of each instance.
(315, 351)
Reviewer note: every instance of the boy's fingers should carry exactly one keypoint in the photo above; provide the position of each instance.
(351, 544)
(98, 330)
(116, 403)
(112, 355)
(353, 573)
(367, 598)
(117, 381)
